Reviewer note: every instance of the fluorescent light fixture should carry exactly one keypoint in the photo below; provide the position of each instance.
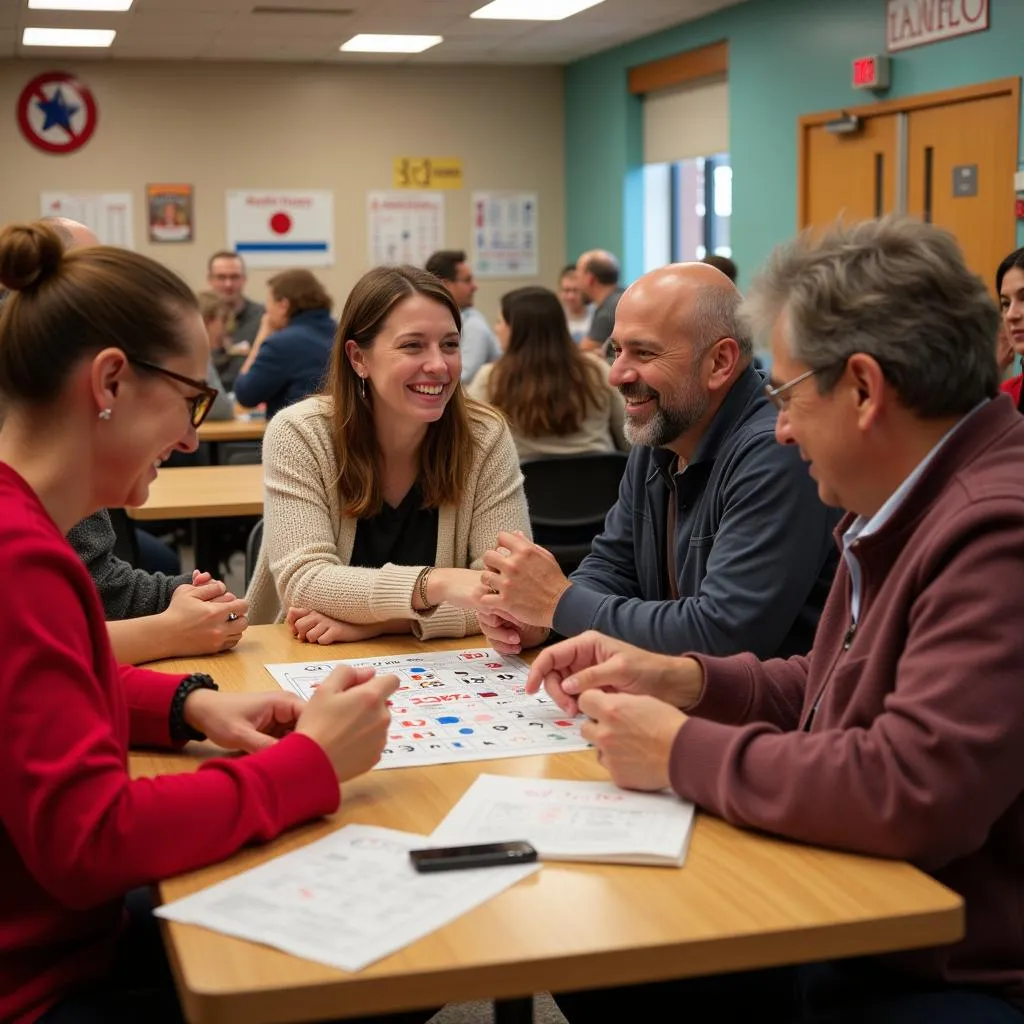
(533, 10)
(67, 37)
(370, 43)
(79, 5)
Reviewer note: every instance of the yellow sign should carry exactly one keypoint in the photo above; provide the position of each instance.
(427, 172)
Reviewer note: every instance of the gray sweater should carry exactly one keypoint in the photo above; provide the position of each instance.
(126, 592)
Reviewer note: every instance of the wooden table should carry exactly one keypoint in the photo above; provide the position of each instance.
(742, 901)
(202, 493)
(239, 429)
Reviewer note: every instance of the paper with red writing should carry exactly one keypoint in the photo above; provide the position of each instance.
(468, 705)
(564, 820)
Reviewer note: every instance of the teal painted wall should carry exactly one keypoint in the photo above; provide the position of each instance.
(786, 58)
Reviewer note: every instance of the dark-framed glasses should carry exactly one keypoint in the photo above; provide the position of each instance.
(201, 404)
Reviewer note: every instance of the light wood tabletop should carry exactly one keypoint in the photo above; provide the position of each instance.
(741, 901)
(204, 492)
(238, 429)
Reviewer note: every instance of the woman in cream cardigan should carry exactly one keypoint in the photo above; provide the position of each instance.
(383, 493)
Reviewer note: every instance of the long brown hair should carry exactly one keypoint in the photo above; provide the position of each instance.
(447, 451)
(543, 383)
(66, 305)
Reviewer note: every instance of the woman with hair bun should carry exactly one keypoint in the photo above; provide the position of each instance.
(102, 375)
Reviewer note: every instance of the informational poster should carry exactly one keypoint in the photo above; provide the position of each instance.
(109, 214)
(170, 213)
(274, 228)
(404, 227)
(505, 234)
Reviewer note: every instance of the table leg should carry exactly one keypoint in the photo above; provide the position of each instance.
(513, 1011)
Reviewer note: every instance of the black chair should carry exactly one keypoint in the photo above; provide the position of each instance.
(569, 496)
(126, 543)
(252, 551)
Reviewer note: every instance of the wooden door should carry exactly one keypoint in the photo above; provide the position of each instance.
(849, 176)
(981, 136)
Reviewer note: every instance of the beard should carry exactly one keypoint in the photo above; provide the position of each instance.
(668, 421)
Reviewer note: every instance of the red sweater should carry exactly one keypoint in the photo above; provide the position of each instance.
(76, 832)
(1012, 388)
(916, 749)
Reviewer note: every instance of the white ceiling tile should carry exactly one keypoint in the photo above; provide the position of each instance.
(228, 30)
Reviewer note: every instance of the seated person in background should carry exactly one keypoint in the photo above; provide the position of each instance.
(226, 276)
(97, 349)
(1010, 289)
(557, 399)
(215, 313)
(479, 345)
(289, 357)
(153, 615)
(901, 734)
(597, 276)
(578, 312)
(718, 541)
(724, 264)
(383, 493)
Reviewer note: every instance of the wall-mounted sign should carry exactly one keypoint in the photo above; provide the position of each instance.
(916, 22)
(871, 73)
(56, 112)
(427, 172)
(282, 228)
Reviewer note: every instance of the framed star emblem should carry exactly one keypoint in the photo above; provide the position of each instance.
(57, 112)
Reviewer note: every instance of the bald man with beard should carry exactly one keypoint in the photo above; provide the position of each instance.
(718, 541)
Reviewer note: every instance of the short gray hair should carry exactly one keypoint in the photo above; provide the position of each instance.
(896, 289)
(715, 315)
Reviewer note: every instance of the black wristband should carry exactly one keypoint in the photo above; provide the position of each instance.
(180, 729)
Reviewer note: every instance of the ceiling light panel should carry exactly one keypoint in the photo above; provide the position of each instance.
(80, 5)
(533, 10)
(370, 43)
(68, 37)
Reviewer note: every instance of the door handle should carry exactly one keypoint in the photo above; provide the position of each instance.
(929, 169)
(879, 184)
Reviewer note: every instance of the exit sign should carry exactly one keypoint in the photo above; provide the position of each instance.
(871, 73)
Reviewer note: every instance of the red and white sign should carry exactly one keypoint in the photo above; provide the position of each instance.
(282, 229)
(57, 113)
(916, 22)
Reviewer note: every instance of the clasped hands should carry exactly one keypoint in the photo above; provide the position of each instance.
(631, 697)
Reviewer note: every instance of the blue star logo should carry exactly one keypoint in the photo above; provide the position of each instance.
(58, 112)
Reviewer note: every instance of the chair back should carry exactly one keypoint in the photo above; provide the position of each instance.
(126, 543)
(569, 497)
(252, 551)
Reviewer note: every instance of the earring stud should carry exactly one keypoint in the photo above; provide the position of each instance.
(105, 414)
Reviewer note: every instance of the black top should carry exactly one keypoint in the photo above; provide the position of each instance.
(406, 535)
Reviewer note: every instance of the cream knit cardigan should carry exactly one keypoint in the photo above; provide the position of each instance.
(307, 543)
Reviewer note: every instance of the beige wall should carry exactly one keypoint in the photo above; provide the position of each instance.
(222, 126)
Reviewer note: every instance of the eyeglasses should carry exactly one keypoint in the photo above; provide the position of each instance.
(201, 403)
(778, 397)
(464, 280)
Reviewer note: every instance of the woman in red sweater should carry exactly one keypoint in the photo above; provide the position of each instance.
(102, 375)
(1010, 289)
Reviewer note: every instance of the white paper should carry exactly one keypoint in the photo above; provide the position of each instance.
(282, 228)
(109, 214)
(346, 900)
(404, 226)
(592, 821)
(467, 705)
(505, 234)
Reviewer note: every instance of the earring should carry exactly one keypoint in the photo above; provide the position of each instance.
(105, 414)
(362, 388)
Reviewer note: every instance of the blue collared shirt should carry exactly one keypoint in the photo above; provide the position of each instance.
(862, 526)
